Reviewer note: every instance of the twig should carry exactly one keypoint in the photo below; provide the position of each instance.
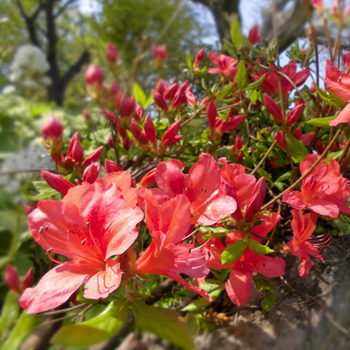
(264, 158)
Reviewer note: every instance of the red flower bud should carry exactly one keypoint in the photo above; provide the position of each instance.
(121, 129)
(150, 129)
(231, 123)
(143, 137)
(87, 115)
(191, 100)
(108, 115)
(114, 88)
(52, 128)
(75, 150)
(112, 167)
(11, 278)
(127, 143)
(273, 109)
(254, 37)
(148, 179)
(159, 100)
(171, 91)
(57, 182)
(281, 140)
(179, 98)
(94, 75)
(126, 105)
(295, 113)
(199, 57)
(161, 87)
(28, 209)
(211, 114)
(90, 174)
(159, 54)
(28, 280)
(134, 128)
(94, 155)
(112, 54)
(111, 140)
(170, 137)
(138, 113)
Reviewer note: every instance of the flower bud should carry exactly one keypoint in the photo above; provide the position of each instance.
(211, 114)
(87, 115)
(149, 179)
(52, 128)
(159, 54)
(134, 128)
(28, 280)
(90, 174)
(11, 278)
(170, 137)
(125, 105)
(161, 87)
(295, 113)
(171, 91)
(75, 149)
(112, 54)
(57, 182)
(114, 88)
(199, 57)
(112, 167)
(121, 130)
(93, 156)
(191, 99)
(254, 37)
(139, 113)
(281, 140)
(273, 109)
(159, 100)
(127, 143)
(318, 5)
(94, 75)
(150, 129)
(143, 137)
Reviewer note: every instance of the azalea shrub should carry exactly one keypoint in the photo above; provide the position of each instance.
(164, 201)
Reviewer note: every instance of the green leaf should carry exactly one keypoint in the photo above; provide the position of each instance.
(236, 34)
(140, 95)
(165, 323)
(323, 94)
(339, 102)
(262, 284)
(279, 185)
(285, 176)
(213, 232)
(45, 191)
(321, 122)
(242, 76)
(223, 93)
(268, 302)
(188, 60)
(265, 174)
(20, 332)
(256, 84)
(227, 46)
(10, 310)
(233, 251)
(334, 155)
(96, 330)
(214, 292)
(296, 148)
(257, 248)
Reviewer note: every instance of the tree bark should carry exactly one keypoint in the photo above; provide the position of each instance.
(59, 83)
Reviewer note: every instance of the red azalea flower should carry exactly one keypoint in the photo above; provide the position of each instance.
(337, 82)
(90, 225)
(302, 245)
(324, 190)
(166, 255)
(226, 65)
(200, 186)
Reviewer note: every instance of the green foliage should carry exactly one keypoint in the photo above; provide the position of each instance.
(296, 148)
(97, 329)
(234, 251)
(165, 323)
(257, 248)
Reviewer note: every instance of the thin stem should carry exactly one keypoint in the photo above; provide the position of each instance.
(344, 152)
(264, 158)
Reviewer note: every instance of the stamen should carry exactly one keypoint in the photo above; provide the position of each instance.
(184, 239)
(203, 245)
(83, 241)
(51, 258)
(46, 227)
(41, 229)
(88, 225)
(69, 231)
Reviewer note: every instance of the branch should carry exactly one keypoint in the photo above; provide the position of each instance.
(30, 23)
(75, 68)
(64, 7)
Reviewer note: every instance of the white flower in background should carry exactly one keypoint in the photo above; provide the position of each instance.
(8, 90)
(29, 66)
